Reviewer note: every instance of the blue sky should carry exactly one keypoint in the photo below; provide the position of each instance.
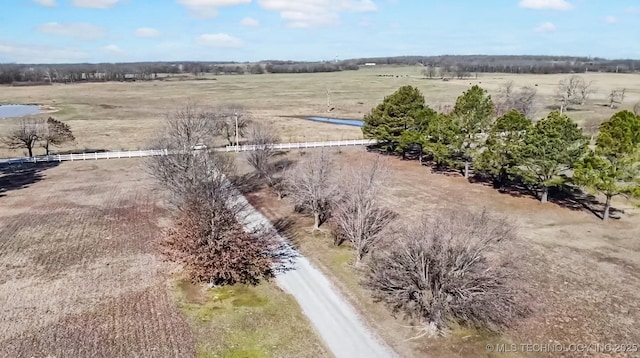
(53, 31)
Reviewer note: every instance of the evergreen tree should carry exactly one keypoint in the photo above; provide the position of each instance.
(549, 151)
(499, 159)
(474, 114)
(613, 167)
(390, 119)
(55, 132)
(441, 140)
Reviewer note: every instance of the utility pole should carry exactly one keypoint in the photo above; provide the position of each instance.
(237, 141)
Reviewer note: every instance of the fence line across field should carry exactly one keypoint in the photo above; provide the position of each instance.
(156, 152)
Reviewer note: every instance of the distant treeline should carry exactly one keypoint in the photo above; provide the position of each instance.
(433, 66)
(22, 74)
(457, 65)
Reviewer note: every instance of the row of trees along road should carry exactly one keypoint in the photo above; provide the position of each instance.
(434, 271)
(30, 132)
(511, 149)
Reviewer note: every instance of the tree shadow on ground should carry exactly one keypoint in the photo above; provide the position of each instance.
(247, 183)
(567, 196)
(23, 175)
(252, 182)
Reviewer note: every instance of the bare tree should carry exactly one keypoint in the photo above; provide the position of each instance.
(616, 97)
(206, 237)
(262, 137)
(312, 186)
(25, 134)
(55, 132)
(182, 171)
(523, 100)
(358, 215)
(441, 270)
(231, 122)
(572, 91)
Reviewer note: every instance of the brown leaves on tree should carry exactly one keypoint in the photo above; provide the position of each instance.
(213, 247)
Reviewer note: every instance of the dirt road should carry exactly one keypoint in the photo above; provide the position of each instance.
(335, 320)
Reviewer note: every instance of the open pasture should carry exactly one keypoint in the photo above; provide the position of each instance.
(124, 115)
(81, 276)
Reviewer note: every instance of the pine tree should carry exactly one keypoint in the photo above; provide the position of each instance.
(613, 167)
(474, 114)
(55, 133)
(390, 119)
(499, 159)
(549, 151)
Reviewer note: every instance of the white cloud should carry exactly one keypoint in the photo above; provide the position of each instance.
(219, 40)
(113, 50)
(545, 4)
(96, 4)
(147, 32)
(610, 19)
(10, 52)
(208, 8)
(310, 13)
(249, 22)
(78, 30)
(47, 3)
(545, 27)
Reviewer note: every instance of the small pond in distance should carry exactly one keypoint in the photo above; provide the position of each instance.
(18, 110)
(341, 121)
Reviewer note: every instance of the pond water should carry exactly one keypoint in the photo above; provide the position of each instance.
(340, 121)
(18, 110)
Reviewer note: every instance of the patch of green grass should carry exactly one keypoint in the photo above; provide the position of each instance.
(247, 321)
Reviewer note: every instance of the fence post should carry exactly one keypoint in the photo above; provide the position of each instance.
(59, 160)
(72, 157)
(95, 154)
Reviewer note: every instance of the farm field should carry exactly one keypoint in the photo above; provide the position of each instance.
(578, 275)
(115, 116)
(81, 276)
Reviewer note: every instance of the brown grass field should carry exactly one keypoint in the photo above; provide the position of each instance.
(80, 276)
(124, 115)
(580, 277)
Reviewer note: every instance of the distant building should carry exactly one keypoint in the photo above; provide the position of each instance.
(370, 64)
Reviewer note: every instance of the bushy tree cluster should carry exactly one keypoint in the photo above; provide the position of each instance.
(510, 148)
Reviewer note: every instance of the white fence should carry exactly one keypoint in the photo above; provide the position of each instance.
(154, 152)
(303, 145)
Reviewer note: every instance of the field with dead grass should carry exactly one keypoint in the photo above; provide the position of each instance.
(578, 275)
(80, 276)
(124, 115)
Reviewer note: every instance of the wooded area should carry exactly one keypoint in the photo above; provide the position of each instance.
(433, 66)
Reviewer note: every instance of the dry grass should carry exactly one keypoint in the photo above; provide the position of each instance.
(581, 275)
(80, 276)
(124, 115)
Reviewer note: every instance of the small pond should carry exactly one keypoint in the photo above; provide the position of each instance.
(18, 110)
(341, 121)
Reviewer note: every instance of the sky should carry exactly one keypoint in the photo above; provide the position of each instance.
(70, 31)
